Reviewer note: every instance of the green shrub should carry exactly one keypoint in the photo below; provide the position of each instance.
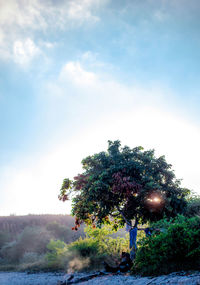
(193, 207)
(80, 255)
(177, 248)
(4, 238)
(59, 231)
(108, 241)
(87, 253)
(85, 247)
(57, 255)
(11, 252)
(32, 239)
(29, 257)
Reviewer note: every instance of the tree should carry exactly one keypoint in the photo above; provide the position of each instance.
(193, 205)
(124, 184)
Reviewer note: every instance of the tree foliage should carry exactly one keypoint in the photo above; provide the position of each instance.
(124, 184)
(193, 205)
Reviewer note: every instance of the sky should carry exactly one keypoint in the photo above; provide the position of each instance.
(75, 74)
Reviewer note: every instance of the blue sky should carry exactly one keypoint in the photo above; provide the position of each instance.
(74, 74)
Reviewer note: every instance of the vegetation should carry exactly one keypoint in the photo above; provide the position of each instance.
(175, 248)
(116, 187)
(124, 184)
(14, 225)
(87, 253)
(56, 247)
(30, 240)
(24, 247)
(193, 206)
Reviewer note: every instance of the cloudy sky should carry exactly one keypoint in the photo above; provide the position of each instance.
(74, 74)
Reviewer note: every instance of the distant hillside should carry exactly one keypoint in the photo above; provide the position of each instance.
(24, 239)
(16, 224)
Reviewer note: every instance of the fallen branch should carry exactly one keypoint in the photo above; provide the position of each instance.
(81, 279)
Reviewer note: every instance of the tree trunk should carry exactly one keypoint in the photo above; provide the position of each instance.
(136, 222)
(132, 234)
(123, 216)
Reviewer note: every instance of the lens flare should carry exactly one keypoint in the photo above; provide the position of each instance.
(156, 200)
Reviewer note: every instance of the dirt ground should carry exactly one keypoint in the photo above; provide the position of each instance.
(17, 278)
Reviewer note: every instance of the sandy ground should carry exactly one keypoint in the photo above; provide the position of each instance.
(16, 278)
(130, 280)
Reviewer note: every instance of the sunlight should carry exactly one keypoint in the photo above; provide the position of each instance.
(155, 200)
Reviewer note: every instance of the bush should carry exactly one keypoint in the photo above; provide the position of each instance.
(56, 256)
(4, 238)
(193, 207)
(87, 253)
(10, 252)
(108, 240)
(29, 257)
(59, 231)
(32, 239)
(85, 247)
(177, 248)
(29, 263)
(80, 255)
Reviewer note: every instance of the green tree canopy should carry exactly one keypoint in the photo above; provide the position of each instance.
(124, 184)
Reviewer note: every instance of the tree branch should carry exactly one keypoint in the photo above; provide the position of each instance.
(136, 222)
(114, 215)
(121, 212)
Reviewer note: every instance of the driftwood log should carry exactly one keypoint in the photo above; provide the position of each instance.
(72, 280)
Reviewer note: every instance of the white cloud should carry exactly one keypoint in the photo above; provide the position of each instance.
(160, 16)
(76, 73)
(48, 45)
(92, 59)
(19, 19)
(89, 56)
(81, 10)
(17, 14)
(25, 51)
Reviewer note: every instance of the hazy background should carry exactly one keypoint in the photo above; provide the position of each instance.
(74, 74)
